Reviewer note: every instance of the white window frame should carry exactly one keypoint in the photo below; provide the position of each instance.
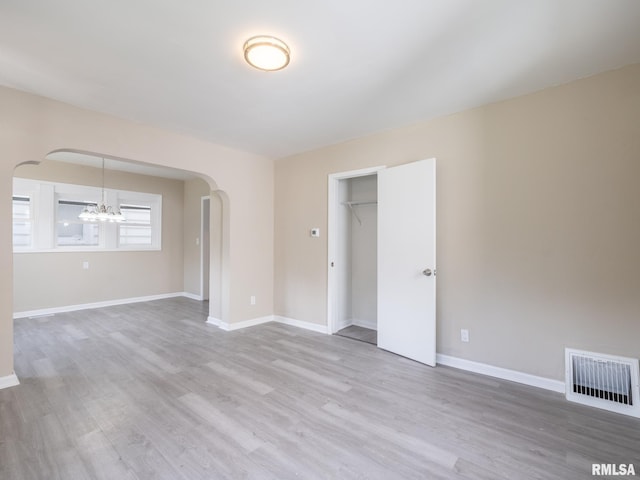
(26, 188)
(31, 222)
(153, 201)
(44, 202)
(77, 193)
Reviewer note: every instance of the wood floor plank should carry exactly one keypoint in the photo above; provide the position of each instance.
(150, 391)
(221, 422)
(251, 383)
(101, 458)
(151, 357)
(428, 450)
(312, 376)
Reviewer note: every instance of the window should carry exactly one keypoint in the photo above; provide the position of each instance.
(137, 229)
(45, 218)
(70, 230)
(21, 221)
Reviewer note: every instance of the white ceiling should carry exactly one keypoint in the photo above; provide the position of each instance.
(357, 66)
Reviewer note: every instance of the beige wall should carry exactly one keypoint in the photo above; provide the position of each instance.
(46, 280)
(538, 226)
(194, 190)
(32, 126)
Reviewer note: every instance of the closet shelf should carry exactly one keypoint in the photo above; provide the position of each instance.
(359, 204)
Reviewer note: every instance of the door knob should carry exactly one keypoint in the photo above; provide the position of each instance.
(427, 272)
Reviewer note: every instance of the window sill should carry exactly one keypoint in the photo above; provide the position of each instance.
(90, 250)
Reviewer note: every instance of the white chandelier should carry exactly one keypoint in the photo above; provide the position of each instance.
(101, 212)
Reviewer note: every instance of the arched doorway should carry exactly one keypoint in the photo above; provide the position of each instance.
(93, 264)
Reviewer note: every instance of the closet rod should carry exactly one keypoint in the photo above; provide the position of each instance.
(358, 204)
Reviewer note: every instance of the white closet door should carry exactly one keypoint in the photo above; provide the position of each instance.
(407, 260)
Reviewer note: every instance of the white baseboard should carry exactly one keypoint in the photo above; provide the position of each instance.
(340, 325)
(370, 324)
(314, 327)
(192, 296)
(503, 373)
(9, 381)
(109, 303)
(229, 327)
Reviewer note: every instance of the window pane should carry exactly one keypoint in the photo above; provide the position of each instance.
(21, 221)
(70, 230)
(135, 235)
(137, 230)
(138, 214)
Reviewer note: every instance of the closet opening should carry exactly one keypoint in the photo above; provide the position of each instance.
(382, 258)
(353, 255)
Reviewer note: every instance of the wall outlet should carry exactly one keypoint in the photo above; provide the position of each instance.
(252, 300)
(464, 335)
(197, 241)
(85, 265)
(315, 232)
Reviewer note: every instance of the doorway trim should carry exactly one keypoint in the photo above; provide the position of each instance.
(203, 199)
(332, 236)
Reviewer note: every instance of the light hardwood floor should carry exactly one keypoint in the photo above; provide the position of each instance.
(149, 391)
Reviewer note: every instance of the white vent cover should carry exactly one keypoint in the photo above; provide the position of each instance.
(603, 381)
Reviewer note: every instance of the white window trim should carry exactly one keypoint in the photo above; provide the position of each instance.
(44, 199)
(133, 198)
(31, 222)
(76, 193)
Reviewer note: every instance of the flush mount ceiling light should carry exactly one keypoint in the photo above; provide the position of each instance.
(266, 53)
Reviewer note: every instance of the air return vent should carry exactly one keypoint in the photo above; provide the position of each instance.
(603, 381)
